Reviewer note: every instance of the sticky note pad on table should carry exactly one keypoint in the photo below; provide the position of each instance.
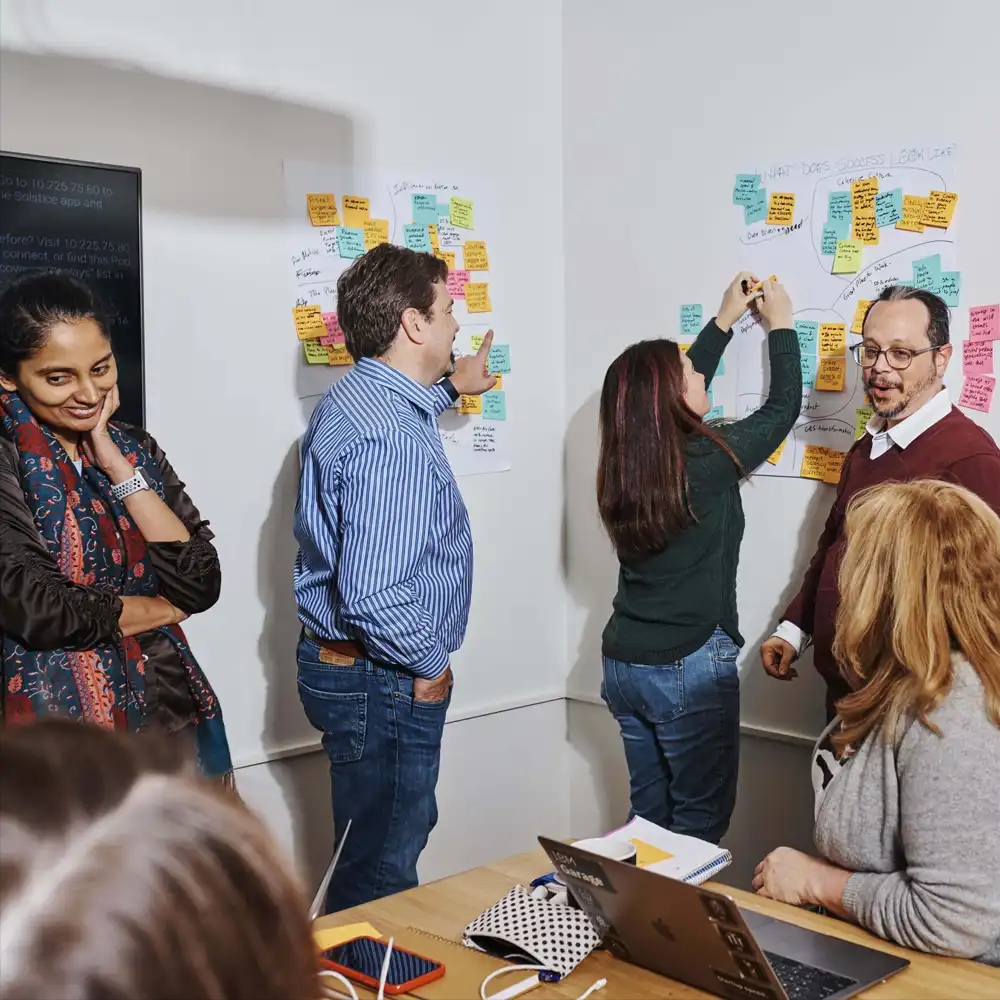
(863, 227)
(950, 287)
(833, 339)
(448, 256)
(308, 322)
(376, 231)
(350, 241)
(455, 282)
(860, 311)
(808, 334)
(847, 259)
(647, 854)
(330, 937)
(830, 374)
(460, 212)
(322, 209)
(833, 466)
(977, 357)
(424, 208)
(499, 359)
(775, 457)
(477, 297)
(809, 363)
(939, 209)
(691, 319)
(984, 322)
(838, 207)
(863, 194)
(339, 355)
(756, 209)
(416, 237)
(781, 209)
(888, 207)
(470, 404)
(913, 213)
(745, 188)
(977, 392)
(334, 334)
(355, 211)
(494, 405)
(474, 256)
(813, 462)
(927, 272)
(316, 353)
(861, 417)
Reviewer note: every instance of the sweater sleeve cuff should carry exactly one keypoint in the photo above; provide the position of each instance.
(783, 342)
(858, 892)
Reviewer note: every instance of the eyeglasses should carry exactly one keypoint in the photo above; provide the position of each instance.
(898, 358)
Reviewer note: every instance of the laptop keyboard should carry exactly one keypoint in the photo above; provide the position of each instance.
(806, 982)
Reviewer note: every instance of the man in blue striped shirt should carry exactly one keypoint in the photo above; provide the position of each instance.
(383, 577)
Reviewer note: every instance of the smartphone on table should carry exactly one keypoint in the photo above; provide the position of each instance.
(361, 960)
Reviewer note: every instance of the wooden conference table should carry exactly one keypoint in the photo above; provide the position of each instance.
(445, 907)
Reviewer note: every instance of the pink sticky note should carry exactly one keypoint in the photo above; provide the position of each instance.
(456, 282)
(334, 335)
(977, 392)
(977, 357)
(984, 322)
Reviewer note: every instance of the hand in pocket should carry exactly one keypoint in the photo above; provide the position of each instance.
(435, 691)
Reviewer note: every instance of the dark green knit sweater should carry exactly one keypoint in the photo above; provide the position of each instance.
(668, 604)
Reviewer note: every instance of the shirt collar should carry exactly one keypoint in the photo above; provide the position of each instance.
(907, 431)
(395, 381)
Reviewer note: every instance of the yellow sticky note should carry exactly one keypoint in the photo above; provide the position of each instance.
(432, 232)
(760, 284)
(830, 374)
(647, 854)
(308, 322)
(861, 417)
(476, 340)
(813, 462)
(781, 209)
(460, 212)
(859, 315)
(477, 297)
(833, 339)
(447, 256)
(376, 232)
(913, 213)
(863, 227)
(863, 195)
(684, 348)
(322, 209)
(847, 259)
(339, 355)
(355, 211)
(775, 456)
(470, 404)
(474, 256)
(939, 209)
(833, 466)
(499, 386)
(316, 353)
(330, 937)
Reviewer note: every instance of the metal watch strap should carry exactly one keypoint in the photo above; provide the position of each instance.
(134, 485)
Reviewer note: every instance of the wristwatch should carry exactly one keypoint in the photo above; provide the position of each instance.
(140, 481)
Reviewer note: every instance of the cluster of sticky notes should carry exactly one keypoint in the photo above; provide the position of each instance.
(984, 322)
(308, 322)
(322, 209)
(781, 209)
(824, 464)
(977, 392)
(861, 417)
(748, 193)
(977, 357)
(775, 457)
(823, 347)
(318, 353)
(690, 319)
(927, 275)
(477, 297)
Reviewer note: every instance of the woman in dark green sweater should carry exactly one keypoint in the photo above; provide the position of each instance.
(668, 490)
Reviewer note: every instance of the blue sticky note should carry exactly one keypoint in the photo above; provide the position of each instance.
(425, 209)
(949, 287)
(711, 396)
(809, 363)
(691, 319)
(808, 334)
(721, 370)
(499, 359)
(927, 272)
(842, 227)
(838, 206)
(756, 210)
(350, 242)
(745, 187)
(828, 244)
(495, 405)
(417, 237)
(716, 413)
(888, 207)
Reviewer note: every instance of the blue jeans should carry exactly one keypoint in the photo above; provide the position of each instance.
(680, 723)
(385, 751)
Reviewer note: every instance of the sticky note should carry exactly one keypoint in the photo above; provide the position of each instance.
(376, 231)
(808, 333)
(977, 357)
(833, 339)
(455, 282)
(691, 319)
(756, 208)
(861, 417)
(860, 311)
(984, 322)
(647, 854)
(499, 359)
(350, 241)
(809, 363)
(721, 370)
(448, 256)
(828, 241)
(977, 392)
(355, 211)
(831, 374)
(494, 405)
(913, 213)
(939, 209)
(813, 462)
(316, 353)
(781, 209)
(339, 355)
(847, 259)
(477, 297)
(322, 209)
(833, 466)
(460, 212)
(449, 238)
(474, 256)
(863, 227)
(334, 334)
(476, 340)
(927, 272)
(330, 937)
(775, 457)
(432, 232)
(949, 287)
(308, 322)
(470, 404)
(838, 207)
(424, 208)
(499, 386)
(863, 195)
(888, 207)
(684, 348)
(745, 188)
(416, 237)
(715, 413)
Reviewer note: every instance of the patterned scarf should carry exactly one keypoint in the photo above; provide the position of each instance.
(96, 544)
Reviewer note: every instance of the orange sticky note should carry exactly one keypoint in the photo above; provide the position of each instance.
(781, 209)
(833, 339)
(684, 348)
(308, 322)
(339, 355)
(813, 462)
(474, 256)
(316, 353)
(863, 195)
(775, 456)
(376, 232)
(470, 404)
(432, 232)
(330, 937)
(447, 256)
(830, 374)
(477, 297)
(913, 213)
(499, 386)
(355, 211)
(859, 315)
(939, 209)
(322, 209)
(833, 466)
(760, 284)
(647, 854)
(863, 228)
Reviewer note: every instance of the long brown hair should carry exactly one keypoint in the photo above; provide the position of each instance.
(921, 580)
(642, 481)
(124, 875)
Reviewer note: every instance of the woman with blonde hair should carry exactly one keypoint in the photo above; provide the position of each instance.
(907, 778)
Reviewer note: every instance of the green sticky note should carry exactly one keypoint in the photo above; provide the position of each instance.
(949, 287)
(425, 209)
(495, 405)
(927, 272)
(498, 362)
(861, 417)
(745, 188)
(838, 207)
(350, 242)
(808, 334)
(888, 207)
(691, 319)
(809, 363)
(461, 212)
(756, 209)
(847, 259)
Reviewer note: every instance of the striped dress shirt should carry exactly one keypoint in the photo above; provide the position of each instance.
(385, 547)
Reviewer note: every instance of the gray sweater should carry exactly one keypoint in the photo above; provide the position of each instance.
(918, 819)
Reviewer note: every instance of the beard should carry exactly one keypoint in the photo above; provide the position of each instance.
(890, 411)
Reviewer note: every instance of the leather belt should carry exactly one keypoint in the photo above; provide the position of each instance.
(340, 647)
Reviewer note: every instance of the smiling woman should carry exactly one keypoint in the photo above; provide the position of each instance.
(103, 553)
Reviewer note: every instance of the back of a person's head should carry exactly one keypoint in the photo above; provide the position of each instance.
(122, 875)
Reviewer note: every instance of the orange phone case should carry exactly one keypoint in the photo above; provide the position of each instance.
(372, 984)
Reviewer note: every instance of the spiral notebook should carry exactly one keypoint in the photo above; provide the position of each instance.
(672, 854)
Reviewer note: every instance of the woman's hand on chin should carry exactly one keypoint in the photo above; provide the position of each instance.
(100, 449)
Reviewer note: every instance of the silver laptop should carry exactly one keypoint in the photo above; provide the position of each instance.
(319, 900)
(702, 938)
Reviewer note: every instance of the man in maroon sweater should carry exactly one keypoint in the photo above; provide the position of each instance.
(915, 434)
